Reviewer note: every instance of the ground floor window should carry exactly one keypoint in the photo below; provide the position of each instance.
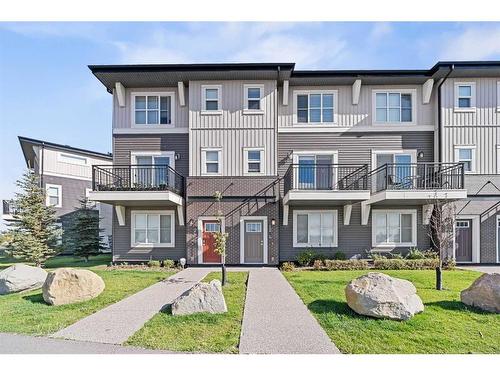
(153, 228)
(316, 228)
(394, 228)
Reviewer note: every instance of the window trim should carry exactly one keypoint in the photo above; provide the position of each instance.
(134, 244)
(62, 155)
(414, 231)
(158, 94)
(472, 108)
(411, 152)
(204, 161)
(412, 92)
(47, 198)
(295, 121)
(246, 110)
(262, 150)
(170, 154)
(309, 244)
(457, 149)
(204, 110)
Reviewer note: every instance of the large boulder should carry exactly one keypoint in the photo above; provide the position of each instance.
(70, 285)
(484, 293)
(381, 296)
(203, 297)
(21, 277)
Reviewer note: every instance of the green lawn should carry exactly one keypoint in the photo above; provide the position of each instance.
(26, 312)
(445, 326)
(207, 333)
(61, 261)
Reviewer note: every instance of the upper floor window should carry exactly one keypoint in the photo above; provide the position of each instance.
(394, 106)
(53, 195)
(211, 97)
(253, 98)
(72, 159)
(254, 160)
(465, 155)
(465, 96)
(153, 109)
(394, 228)
(211, 161)
(315, 107)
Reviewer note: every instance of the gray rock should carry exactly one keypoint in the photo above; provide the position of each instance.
(201, 298)
(484, 293)
(70, 285)
(381, 296)
(20, 277)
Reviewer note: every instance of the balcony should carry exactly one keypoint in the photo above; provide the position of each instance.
(323, 184)
(137, 185)
(8, 209)
(415, 184)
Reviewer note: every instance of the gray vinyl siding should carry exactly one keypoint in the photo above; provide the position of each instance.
(361, 114)
(232, 130)
(122, 116)
(123, 251)
(352, 239)
(124, 144)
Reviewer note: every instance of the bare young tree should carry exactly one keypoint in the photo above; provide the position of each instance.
(441, 233)
(220, 237)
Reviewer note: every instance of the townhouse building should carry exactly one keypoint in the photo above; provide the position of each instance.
(349, 161)
(65, 173)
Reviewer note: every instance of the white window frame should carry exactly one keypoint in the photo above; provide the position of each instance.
(64, 157)
(308, 93)
(297, 154)
(412, 92)
(391, 245)
(246, 110)
(457, 149)
(472, 108)
(204, 161)
(411, 152)
(171, 94)
(309, 244)
(47, 199)
(171, 213)
(204, 110)
(246, 161)
(170, 154)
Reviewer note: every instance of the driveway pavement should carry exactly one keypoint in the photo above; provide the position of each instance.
(276, 321)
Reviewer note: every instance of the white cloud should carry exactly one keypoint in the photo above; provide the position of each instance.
(82, 30)
(380, 30)
(474, 43)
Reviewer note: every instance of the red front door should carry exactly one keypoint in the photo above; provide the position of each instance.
(209, 254)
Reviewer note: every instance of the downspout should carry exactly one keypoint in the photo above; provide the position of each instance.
(440, 156)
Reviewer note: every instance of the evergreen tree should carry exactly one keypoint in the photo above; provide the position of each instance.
(33, 235)
(84, 235)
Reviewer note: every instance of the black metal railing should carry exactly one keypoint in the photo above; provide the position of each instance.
(136, 178)
(420, 176)
(325, 177)
(8, 207)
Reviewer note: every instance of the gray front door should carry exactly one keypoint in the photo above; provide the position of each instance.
(463, 240)
(253, 241)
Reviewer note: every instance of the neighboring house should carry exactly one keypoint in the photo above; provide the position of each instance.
(65, 173)
(325, 160)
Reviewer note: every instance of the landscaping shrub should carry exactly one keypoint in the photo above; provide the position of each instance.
(351, 264)
(405, 264)
(287, 267)
(415, 254)
(318, 256)
(318, 264)
(449, 263)
(168, 263)
(154, 263)
(430, 254)
(396, 256)
(339, 255)
(305, 258)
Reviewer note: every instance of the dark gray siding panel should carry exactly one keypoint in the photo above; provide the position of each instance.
(72, 191)
(352, 239)
(123, 145)
(122, 250)
(232, 186)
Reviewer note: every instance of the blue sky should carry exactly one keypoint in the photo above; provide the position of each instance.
(47, 91)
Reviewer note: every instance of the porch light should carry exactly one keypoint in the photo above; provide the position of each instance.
(420, 155)
(177, 156)
(182, 261)
(273, 221)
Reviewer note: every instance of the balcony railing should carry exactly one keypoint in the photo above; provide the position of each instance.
(420, 176)
(8, 207)
(326, 177)
(136, 178)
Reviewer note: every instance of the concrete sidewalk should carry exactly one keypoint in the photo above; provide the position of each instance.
(276, 321)
(480, 268)
(116, 323)
(21, 344)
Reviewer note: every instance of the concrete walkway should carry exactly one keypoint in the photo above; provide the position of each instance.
(276, 321)
(116, 323)
(484, 269)
(20, 344)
